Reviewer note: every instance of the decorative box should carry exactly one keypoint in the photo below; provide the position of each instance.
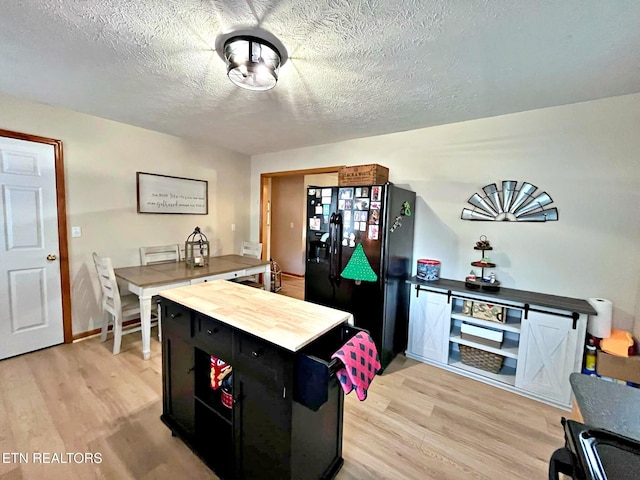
(363, 175)
(487, 311)
(467, 306)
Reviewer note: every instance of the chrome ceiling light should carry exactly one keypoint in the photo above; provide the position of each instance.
(252, 63)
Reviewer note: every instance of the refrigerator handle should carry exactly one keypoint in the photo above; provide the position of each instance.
(338, 257)
(332, 235)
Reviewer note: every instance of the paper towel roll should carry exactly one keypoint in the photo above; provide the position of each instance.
(600, 325)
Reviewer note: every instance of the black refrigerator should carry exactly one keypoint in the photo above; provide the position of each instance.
(381, 219)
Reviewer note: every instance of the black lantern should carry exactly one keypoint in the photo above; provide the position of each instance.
(196, 249)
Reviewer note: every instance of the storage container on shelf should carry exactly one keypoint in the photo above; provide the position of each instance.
(428, 269)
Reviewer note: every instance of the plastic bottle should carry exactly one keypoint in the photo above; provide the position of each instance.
(226, 396)
(590, 358)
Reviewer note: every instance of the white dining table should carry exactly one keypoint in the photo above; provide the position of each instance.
(147, 281)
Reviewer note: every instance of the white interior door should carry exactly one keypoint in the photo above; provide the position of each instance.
(30, 286)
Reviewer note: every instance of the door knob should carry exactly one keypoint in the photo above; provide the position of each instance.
(51, 257)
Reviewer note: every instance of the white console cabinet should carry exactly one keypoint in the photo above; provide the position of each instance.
(543, 337)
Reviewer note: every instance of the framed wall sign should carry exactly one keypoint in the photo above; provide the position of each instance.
(165, 194)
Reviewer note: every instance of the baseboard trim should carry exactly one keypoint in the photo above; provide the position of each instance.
(292, 275)
(91, 333)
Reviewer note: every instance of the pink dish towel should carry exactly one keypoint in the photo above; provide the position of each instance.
(361, 361)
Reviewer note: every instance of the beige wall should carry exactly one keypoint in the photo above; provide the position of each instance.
(321, 180)
(584, 155)
(101, 159)
(289, 217)
(287, 247)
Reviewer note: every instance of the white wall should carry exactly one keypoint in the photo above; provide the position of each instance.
(101, 158)
(585, 156)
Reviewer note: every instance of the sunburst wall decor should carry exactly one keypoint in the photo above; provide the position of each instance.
(512, 204)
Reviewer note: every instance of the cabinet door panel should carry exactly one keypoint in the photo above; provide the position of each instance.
(178, 366)
(429, 326)
(547, 356)
(262, 421)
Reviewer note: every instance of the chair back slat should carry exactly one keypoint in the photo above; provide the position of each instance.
(108, 284)
(160, 254)
(252, 249)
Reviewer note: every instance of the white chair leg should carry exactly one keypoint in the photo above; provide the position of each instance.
(105, 326)
(159, 323)
(117, 335)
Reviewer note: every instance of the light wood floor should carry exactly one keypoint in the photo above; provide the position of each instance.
(292, 286)
(418, 422)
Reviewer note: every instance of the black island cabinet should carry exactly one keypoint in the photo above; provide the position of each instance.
(283, 418)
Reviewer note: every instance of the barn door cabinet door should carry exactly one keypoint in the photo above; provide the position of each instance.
(429, 324)
(548, 355)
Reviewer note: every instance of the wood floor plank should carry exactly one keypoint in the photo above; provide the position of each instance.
(419, 422)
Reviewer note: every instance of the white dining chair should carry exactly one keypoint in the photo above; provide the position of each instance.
(160, 254)
(116, 309)
(153, 256)
(254, 250)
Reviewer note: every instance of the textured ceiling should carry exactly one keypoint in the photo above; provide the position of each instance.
(356, 68)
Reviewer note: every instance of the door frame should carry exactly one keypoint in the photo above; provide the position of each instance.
(265, 198)
(65, 283)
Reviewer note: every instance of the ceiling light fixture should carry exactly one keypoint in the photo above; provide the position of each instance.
(252, 63)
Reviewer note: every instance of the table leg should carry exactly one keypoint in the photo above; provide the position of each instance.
(145, 322)
(267, 277)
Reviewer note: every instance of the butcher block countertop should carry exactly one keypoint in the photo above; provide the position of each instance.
(284, 321)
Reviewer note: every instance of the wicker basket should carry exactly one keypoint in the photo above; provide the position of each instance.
(474, 357)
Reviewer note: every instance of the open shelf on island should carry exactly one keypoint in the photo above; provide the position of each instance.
(222, 412)
(204, 394)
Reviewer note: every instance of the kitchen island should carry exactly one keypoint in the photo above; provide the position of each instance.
(607, 405)
(282, 416)
(605, 442)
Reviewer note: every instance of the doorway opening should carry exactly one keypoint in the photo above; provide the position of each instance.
(283, 214)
